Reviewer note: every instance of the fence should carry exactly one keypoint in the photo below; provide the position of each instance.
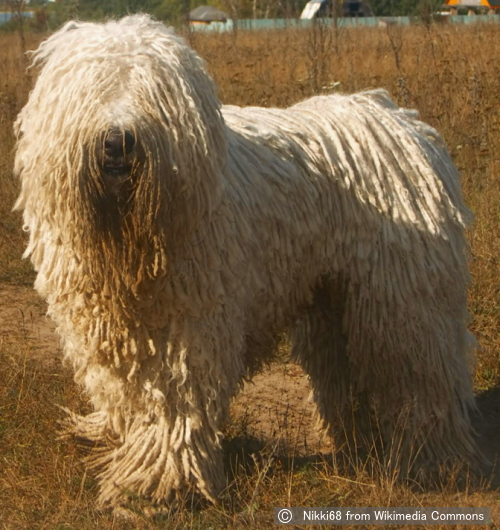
(6, 16)
(281, 23)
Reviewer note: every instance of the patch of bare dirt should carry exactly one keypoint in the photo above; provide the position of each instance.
(275, 407)
(23, 322)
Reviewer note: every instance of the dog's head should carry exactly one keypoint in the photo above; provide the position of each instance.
(122, 133)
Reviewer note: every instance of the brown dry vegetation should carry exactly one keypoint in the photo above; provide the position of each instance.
(451, 75)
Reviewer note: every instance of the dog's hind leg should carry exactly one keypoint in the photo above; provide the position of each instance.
(348, 410)
(387, 387)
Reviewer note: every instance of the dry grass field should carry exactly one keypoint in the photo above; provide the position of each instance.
(451, 75)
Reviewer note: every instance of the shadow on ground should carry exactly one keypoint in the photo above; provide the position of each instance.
(487, 424)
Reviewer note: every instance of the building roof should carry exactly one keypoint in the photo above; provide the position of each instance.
(207, 14)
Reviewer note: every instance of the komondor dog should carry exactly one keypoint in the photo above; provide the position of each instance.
(176, 239)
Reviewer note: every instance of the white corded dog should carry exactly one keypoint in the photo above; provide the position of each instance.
(176, 239)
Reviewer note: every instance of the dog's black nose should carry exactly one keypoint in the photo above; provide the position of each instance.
(118, 143)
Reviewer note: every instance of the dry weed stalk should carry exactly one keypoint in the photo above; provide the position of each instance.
(320, 43)
(395, 34)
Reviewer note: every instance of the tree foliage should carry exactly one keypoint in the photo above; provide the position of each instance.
(385, 8)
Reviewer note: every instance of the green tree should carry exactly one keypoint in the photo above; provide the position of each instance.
(385, 8)
(99, 9)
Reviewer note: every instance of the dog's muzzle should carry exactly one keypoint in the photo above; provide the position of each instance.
(115, 152)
